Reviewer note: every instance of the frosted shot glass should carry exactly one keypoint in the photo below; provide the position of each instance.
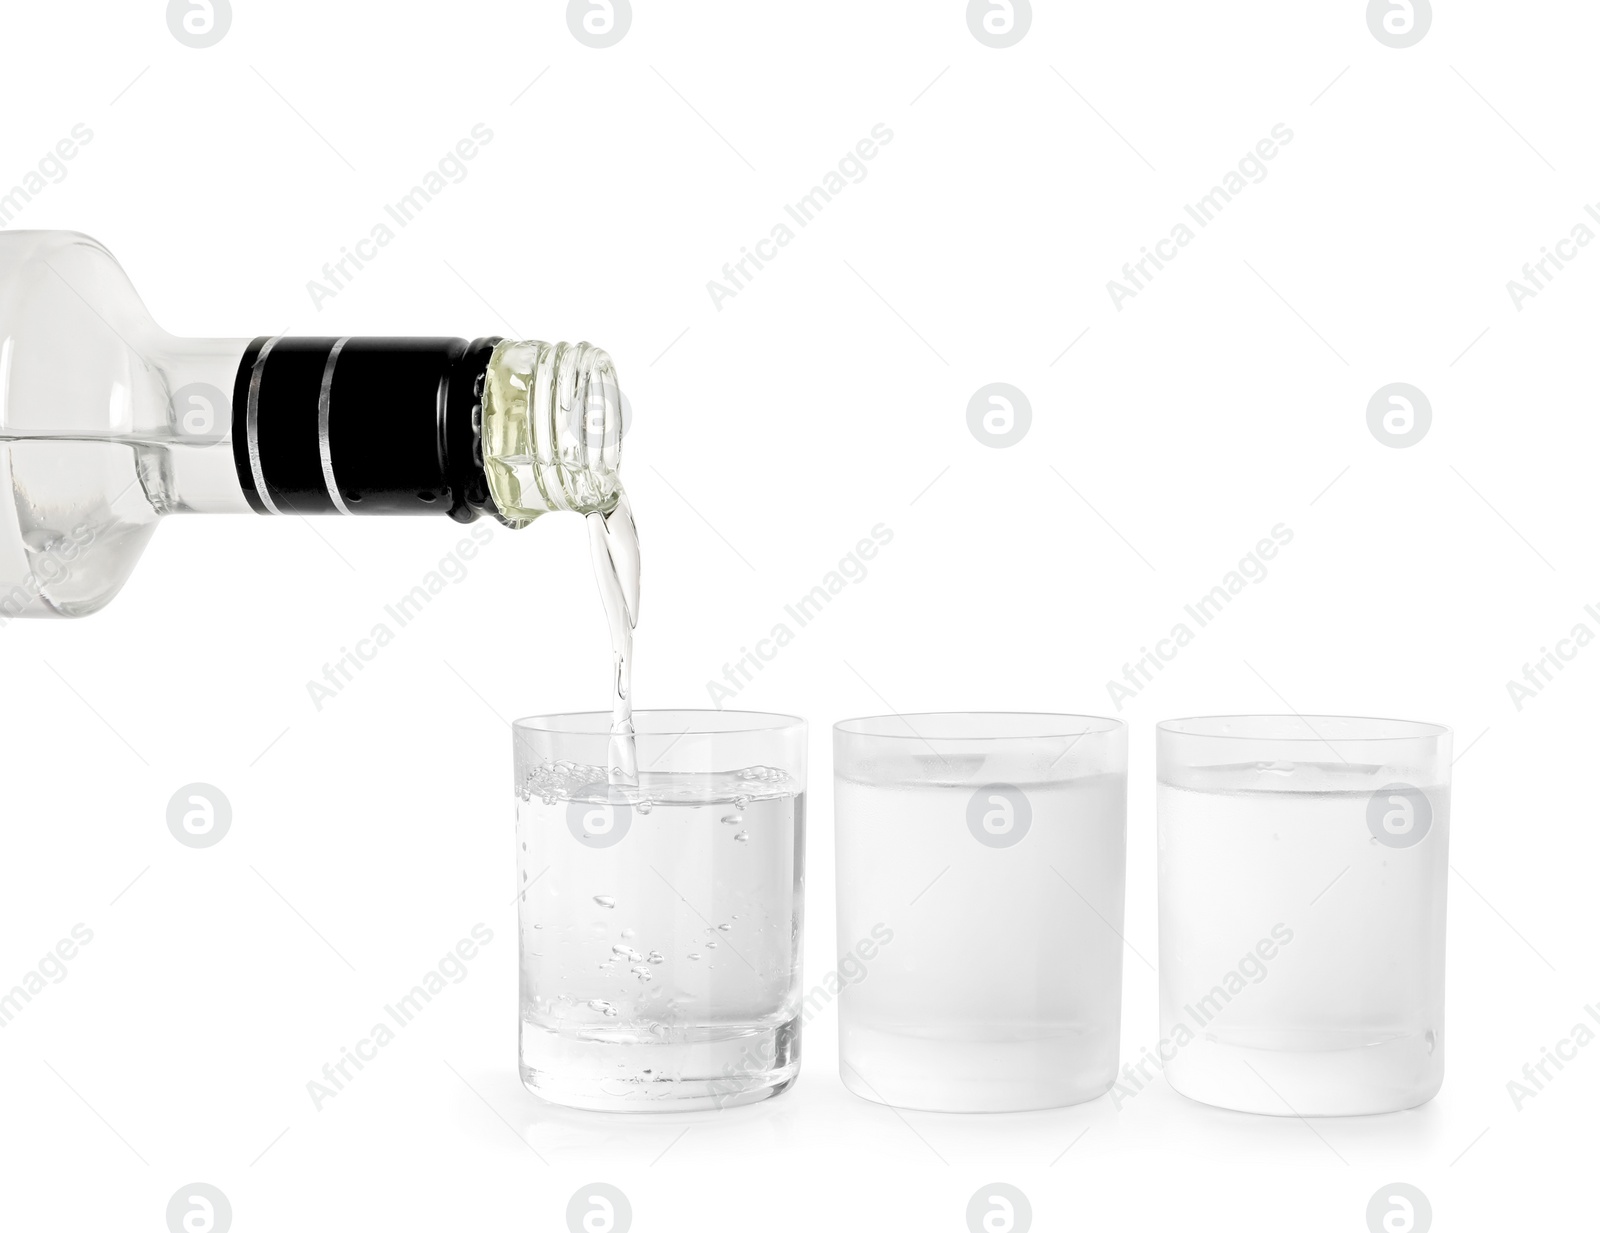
(1302, 868)
(980, 891)
(660, 921)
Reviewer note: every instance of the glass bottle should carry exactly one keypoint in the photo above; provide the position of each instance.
(107, 423)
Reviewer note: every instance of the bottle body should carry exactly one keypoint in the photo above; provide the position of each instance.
(94, 447)
(107, 423)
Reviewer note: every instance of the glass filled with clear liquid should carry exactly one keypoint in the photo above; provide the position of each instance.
(660, 912)
(1302, 867)
(981, 866)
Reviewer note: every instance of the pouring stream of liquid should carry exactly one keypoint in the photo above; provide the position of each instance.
(614, 549)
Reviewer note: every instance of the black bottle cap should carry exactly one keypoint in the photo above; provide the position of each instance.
(362, 426)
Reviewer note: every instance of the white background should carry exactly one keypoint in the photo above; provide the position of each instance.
(769, 437)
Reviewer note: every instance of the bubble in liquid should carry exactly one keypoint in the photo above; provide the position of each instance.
(1430, 1040)
(742, 837)
(711, 944)
(741, 803)
(538, 926)
(641, 971)
(606, 901)
(644, 806)
(725, 927)
(629, 932)
(605, 1008)
(695, 957)
(656, 956)
(732, 819)
(626, 952)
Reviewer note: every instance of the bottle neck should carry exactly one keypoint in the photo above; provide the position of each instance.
(362, 426)
(553, 421)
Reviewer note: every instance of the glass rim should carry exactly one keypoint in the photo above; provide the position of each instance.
(1370, 729)
(1049, 726)
(688, 722)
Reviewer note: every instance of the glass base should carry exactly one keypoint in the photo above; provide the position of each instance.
(944, 1075)
(631, 1076)
(1343, 1080)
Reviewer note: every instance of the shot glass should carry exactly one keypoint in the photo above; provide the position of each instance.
(1302, 899)
(660, 919)
(980, 875)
